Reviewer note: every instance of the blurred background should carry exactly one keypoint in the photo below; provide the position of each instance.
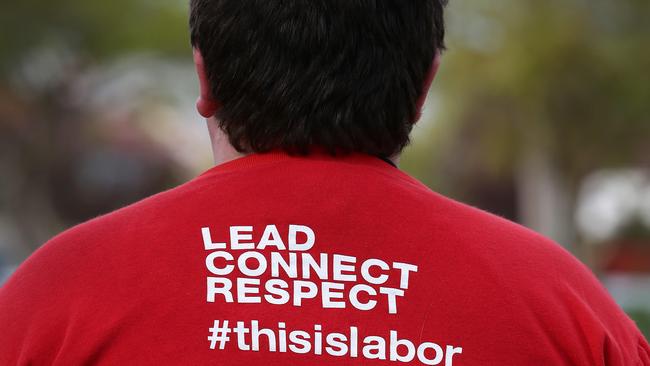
(540, 114)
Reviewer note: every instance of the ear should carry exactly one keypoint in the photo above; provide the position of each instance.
(435, 65)
(206, 105)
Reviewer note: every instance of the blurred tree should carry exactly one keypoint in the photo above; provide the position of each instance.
(96, 30)
(540, 94)
(50, 144)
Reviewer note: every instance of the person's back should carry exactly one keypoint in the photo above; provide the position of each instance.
(279, 260)
(305, 245)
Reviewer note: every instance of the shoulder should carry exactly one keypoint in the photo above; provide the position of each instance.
(69, 250)
(91, 251)
(518, 259)
(83, 270)
(551, 295)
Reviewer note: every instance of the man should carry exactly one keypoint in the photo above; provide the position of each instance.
(305, 245)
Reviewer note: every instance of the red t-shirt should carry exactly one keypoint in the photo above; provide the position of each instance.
(278, 260)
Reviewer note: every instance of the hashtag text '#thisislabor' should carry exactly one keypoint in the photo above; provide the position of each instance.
(281, 270)
(319, 342)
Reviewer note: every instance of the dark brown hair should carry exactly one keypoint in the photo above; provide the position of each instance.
(344, 75)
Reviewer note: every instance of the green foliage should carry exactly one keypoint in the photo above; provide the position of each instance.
(570, 77)
(94, 29)
(642, 319)
(635, 230)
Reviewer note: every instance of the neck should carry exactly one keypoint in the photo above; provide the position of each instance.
(395, 159)
(222, 150)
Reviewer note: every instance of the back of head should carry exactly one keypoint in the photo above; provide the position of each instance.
(344, 75)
